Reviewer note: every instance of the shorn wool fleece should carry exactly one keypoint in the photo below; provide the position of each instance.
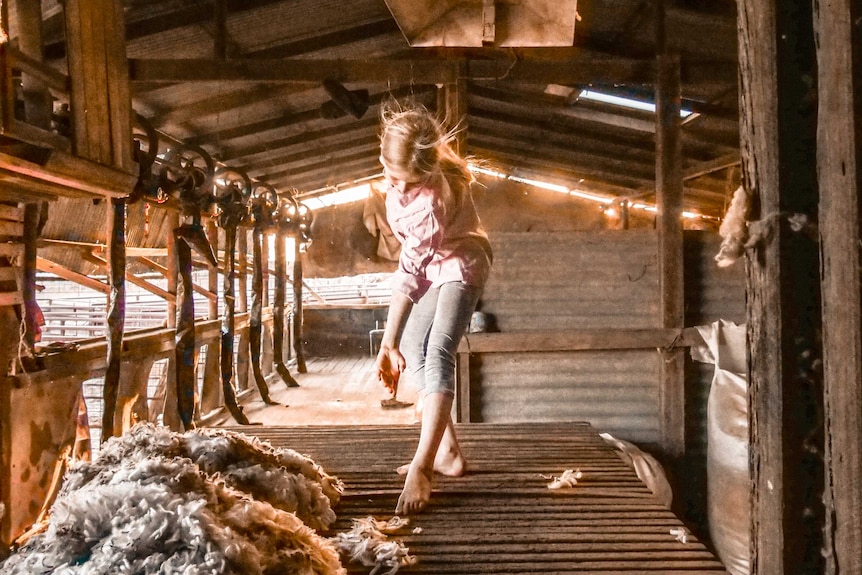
(203, 502)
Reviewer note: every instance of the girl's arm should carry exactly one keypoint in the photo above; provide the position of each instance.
(390, 363)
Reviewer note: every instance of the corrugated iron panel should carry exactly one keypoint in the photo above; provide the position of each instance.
(711, 292)
(560, 280)
(616, 392)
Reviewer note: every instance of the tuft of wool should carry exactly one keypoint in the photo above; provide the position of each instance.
(569, 478)
(142, 508)
(734, 230)
(368, 543)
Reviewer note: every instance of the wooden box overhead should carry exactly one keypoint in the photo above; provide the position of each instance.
(503, 23)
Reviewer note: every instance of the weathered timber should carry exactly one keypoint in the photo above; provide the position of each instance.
(296, 312)
(116, 315)
(580, 68)
(839, 166)
(140, 282)
(46, 265)
(228, 327)
(101, 102)
(255, 327)
(278, 308)
(778, 131)
(669, 191)
(185, 351)
(211, 393)
(211, 293)
(501, 517)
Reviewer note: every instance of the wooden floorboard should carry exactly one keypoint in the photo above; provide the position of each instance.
(333, 391)
(500, 518)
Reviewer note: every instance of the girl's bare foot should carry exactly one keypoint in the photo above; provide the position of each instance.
(448, 462)
(416, 493)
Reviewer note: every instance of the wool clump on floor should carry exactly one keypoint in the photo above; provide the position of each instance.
(203, 502)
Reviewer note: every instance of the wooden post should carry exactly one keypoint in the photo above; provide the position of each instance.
(264, 262)
(242, 360)
(116, 315)
(297, 307)
(172, 222)
(211, 393)
(669, 203)
(278, 307)
(452, 111)
(212, 271)
(839, 165)
(28, 270)
(778, 134)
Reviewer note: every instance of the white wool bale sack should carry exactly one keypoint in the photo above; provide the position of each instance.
(728, 483)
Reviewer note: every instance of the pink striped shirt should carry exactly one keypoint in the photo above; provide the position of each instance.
(433, 250)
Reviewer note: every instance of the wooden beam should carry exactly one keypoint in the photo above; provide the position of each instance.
(708, 167)
(669, 192)
(142, 283)
(575, 340)
(211, 295)
(67, 171)
(839, 167)
(45, 265)
(778, 132)
(576, 70)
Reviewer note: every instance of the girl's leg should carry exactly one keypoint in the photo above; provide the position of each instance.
(438, 447)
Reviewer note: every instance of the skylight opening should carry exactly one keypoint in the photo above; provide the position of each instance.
(624, 102)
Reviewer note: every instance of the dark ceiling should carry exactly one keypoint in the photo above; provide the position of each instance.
(248, 87)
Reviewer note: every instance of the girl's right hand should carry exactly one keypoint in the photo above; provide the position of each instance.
(389, 365)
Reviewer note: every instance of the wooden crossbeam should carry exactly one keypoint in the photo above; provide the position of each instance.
(155, 266)
(577, 68)
(45, 265)
(153, 289)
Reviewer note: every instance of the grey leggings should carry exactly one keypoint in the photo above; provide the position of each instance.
(430, 339)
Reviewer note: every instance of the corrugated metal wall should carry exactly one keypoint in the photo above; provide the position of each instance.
(559, 280)
(568, 280)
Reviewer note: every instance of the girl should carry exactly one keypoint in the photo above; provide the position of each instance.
(445, 260)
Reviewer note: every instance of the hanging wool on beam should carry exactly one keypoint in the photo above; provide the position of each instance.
(207, 501)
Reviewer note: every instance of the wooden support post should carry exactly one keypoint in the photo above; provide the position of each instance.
(839, 165)
(278, 308)
(296, 315)
(778, 135)
(116, 315)
(264, 263)
(211, 392)
(669, 202)
(242, 359)
(172, 223)
(212, 275)
(452, 111)
(28, 271)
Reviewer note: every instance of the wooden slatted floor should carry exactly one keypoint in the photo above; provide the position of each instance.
(501, 518)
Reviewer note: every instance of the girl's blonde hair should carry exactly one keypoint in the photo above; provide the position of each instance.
(413, 143)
